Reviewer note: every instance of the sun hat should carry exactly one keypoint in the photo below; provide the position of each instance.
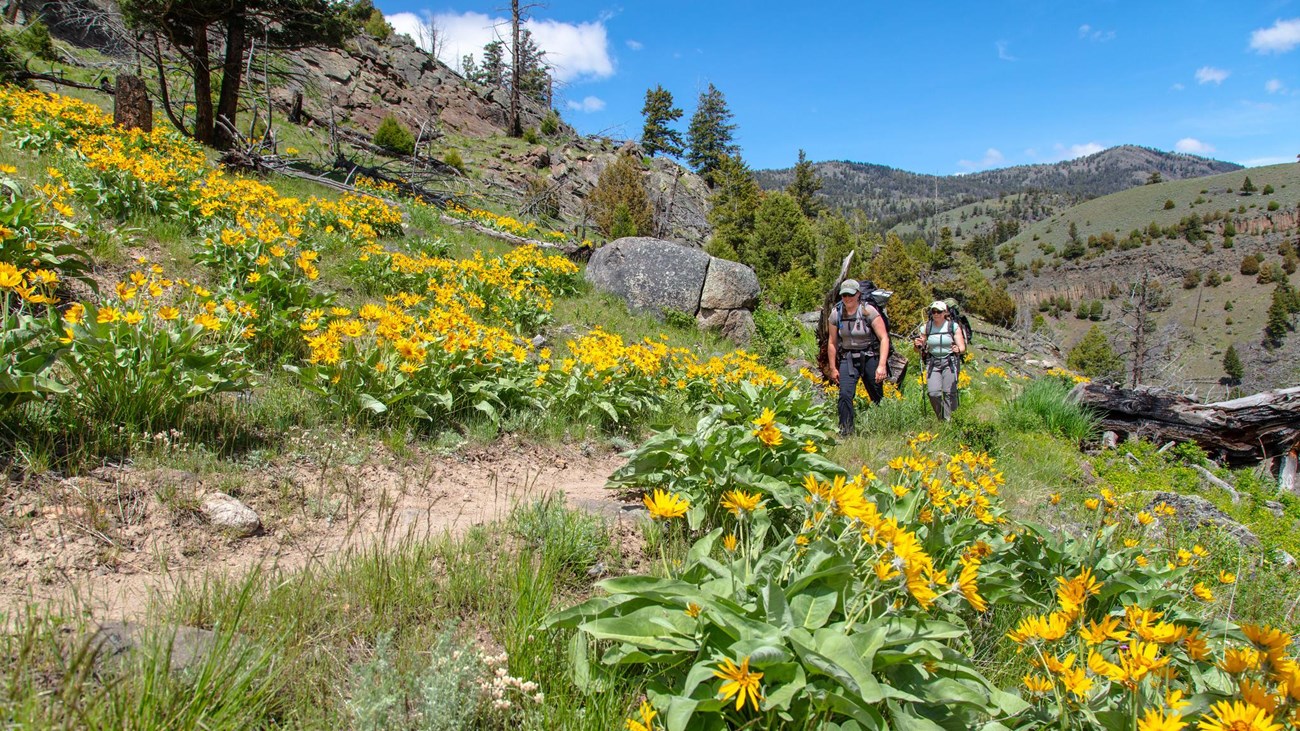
(938, 306)
(850, 286)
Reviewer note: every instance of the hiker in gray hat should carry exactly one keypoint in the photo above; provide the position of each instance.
(858, 348)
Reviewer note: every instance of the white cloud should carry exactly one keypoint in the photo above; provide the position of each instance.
(1208, 74)
(574, 51)
(1003, 53)
(1274, 86)
(635, 45)
(1088, 33)
(1064, 152)
(1177, 87)
(1259, 161)
(1193, 146)
(1282, 37)
(992, 158)
(588, 104)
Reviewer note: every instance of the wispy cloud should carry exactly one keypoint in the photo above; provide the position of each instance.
(1209, 74)
(992, 158)
(573, 50)
(1069, 152)
(1193, 146)
(1003, 53)
(1274, 86)
(1096, 35)
(635, 45)
(587, 105)
(1282, 37)
(1255, 162)
(1177, 86)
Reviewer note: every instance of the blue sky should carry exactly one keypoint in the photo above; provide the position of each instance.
(937, 88)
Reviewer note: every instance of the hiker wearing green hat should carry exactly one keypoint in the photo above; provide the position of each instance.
(858, 349)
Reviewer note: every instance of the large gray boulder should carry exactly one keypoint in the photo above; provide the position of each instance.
(651, 275)
(654, 275)
(729, 285)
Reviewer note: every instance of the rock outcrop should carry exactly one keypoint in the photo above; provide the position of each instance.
(654, 275)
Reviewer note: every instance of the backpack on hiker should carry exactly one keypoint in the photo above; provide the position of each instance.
(896, 365)
(959, 318)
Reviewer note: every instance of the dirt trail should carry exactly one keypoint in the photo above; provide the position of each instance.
(106, 542)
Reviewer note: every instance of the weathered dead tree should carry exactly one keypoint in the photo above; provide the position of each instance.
(1239, 432)
(132, 108)
(823, 323)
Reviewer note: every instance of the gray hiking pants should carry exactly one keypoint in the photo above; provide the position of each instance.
(941, 384)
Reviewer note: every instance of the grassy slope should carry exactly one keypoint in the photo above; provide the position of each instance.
(322, 626)
(1122, 212)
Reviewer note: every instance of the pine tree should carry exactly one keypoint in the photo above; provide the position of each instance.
(657, 136)
(1232, 365)
(534, 72)
(891, 268)
(492, 71)
(619, 202)
(709, 137)
(1247, 187)
(1094, 357)
(804, 188)
(1285, 303)
(782, 239)
(736, 196)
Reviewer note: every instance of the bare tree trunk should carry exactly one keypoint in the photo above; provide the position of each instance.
(232, 76)
(516, 124)
(203, 120)
(131, 106)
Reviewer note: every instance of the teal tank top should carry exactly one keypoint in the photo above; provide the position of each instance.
(939, 342)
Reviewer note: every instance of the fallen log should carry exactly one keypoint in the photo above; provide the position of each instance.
(1239, 432)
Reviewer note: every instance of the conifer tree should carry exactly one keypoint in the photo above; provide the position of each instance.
(1279, 315)
(804, 188)
(619, 202)
(1094, 357)
(782, 239)
(709, 137)
(736, 196)
(1232, 365)
(891, 268)
(659, 112)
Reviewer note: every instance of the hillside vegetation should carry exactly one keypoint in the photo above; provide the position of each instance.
(373, 369)
(980, 573)
(895, 197)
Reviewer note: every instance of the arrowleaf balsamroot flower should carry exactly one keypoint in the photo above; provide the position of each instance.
(739, 501)
(1157, 719)
(1237, 716)
(741, 682)
(666, 505)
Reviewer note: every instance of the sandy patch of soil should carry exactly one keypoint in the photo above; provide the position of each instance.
(108, 540)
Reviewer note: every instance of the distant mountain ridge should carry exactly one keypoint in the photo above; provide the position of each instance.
(895, 196)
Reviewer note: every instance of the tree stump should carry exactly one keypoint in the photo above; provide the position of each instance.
(295, 112)
(132, 108)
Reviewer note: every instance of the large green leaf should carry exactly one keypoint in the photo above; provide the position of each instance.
(653, 627)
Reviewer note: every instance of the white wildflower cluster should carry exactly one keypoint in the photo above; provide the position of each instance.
(502, 689)
(172, 440)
